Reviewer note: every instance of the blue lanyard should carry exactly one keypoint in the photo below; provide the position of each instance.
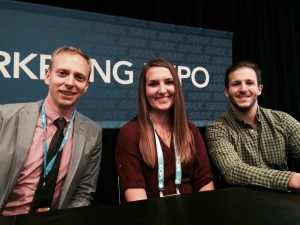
(48, 168)
(160, 159)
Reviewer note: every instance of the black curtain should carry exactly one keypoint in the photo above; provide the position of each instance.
(265, 31)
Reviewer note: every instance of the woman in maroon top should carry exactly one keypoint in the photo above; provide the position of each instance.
(159, 137)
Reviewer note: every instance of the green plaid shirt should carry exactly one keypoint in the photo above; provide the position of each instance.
(245, 156)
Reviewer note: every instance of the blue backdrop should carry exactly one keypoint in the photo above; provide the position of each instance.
(118, 47)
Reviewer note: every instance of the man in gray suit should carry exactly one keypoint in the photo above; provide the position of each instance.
(26, 129)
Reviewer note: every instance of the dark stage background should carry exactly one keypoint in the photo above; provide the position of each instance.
(265, 31)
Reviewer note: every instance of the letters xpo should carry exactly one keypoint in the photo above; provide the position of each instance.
(17, 63)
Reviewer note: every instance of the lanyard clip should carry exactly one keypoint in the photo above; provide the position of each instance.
(161, 194)
(177, 190)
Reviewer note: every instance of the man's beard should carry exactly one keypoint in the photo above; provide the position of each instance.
(244, 108)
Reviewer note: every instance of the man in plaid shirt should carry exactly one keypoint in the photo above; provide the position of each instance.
(250, 144)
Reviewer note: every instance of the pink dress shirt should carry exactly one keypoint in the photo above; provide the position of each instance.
(22, 195)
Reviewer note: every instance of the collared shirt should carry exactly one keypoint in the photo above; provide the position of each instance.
(21, 197)
(247, 156)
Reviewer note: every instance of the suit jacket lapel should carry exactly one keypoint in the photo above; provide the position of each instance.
(77, 150)
(26, 128)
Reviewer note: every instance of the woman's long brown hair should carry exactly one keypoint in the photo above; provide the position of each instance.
(184, 139)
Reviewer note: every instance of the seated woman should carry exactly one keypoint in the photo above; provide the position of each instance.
(159, 152)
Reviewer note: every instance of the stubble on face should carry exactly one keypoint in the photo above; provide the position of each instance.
(243, 89)
(244, 109)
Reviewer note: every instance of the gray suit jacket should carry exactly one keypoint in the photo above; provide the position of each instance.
(17, 127)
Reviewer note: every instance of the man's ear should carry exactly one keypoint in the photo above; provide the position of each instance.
(87, 86)
(260, 88)
(226, 91)
(47, 75)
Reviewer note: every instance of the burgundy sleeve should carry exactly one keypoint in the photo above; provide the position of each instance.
(128, 157)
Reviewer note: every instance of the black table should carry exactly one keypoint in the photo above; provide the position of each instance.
(228, 206)
(94, 215)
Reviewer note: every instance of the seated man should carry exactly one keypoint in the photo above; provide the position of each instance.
(50, 154)
(250, 144)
